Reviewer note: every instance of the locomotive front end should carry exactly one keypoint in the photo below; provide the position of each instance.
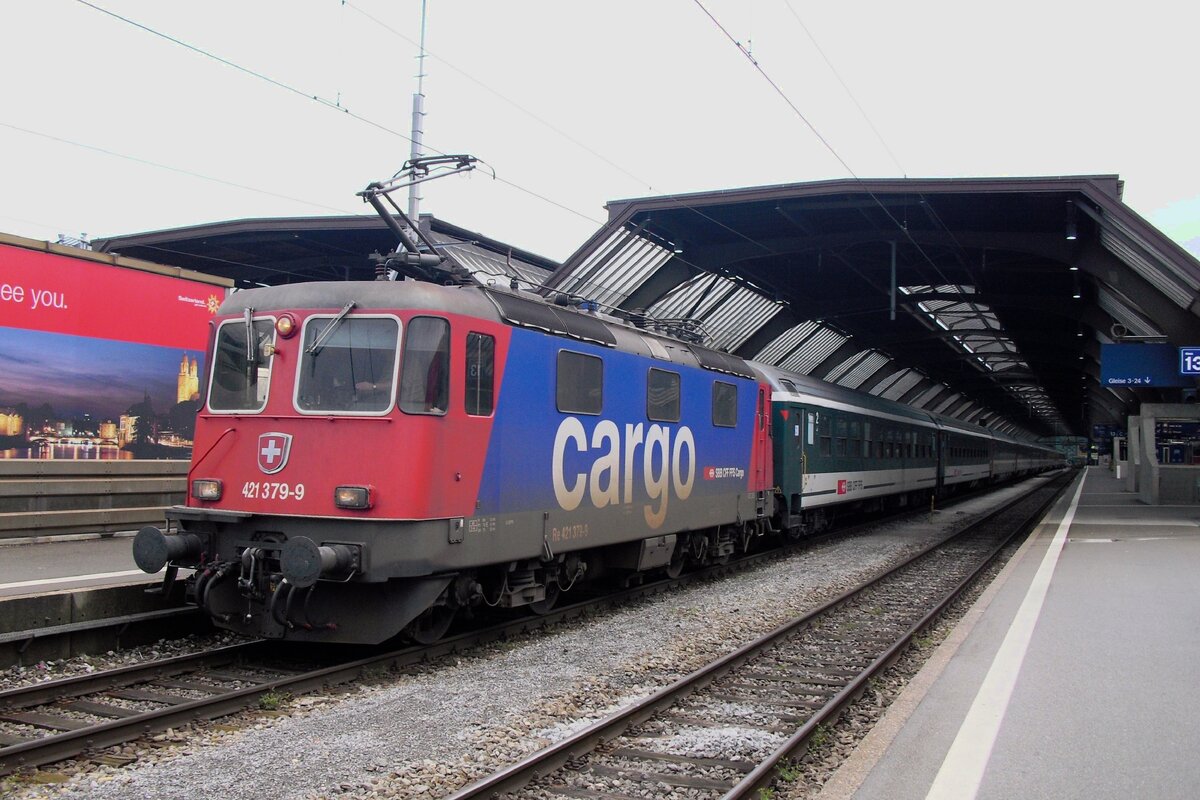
(318, 466)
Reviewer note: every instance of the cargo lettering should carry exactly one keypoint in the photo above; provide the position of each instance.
(609, 481)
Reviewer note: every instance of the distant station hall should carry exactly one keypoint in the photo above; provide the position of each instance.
(355, 431)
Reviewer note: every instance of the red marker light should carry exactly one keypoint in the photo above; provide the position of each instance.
(285, 325)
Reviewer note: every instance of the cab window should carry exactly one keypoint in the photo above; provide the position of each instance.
(347, 365)
(425, 378)
(241, 370)
(481, 374)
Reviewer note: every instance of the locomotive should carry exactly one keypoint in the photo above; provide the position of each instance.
(372, 458)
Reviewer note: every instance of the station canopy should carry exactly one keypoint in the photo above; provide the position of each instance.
(986, 299)
(983, 299)
(277, 250)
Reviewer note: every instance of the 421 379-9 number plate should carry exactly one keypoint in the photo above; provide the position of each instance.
(270, 490)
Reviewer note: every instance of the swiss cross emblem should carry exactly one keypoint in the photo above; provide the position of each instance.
(273, 450)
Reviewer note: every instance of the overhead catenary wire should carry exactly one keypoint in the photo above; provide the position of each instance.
(929, 209)
(532, 115)
(849, 93)
(345, 110)
(313, 97)
(179, 170)
(903, 229)
(867, 118)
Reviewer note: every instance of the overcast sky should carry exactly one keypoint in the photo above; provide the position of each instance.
(110, 129)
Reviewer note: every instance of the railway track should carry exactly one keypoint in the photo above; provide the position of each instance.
(56, 720)
(725, 730)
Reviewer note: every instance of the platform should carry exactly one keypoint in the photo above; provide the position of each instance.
(1073, 675)
(40, 567)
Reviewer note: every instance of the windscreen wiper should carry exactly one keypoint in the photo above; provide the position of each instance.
(314, 349)
(251, 345)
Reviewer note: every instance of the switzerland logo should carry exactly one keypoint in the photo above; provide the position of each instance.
(273, 451)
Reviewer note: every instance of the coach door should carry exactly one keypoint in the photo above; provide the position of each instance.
(941, 459)
(762, 443)
(788, 444)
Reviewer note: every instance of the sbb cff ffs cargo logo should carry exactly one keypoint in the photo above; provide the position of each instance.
(273, 451)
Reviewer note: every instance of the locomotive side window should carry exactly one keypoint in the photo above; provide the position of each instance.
(348, 366)
(724, 405)
(425, 378)
(481, 371)
(662, 395)
(580, 384)
(240, 380)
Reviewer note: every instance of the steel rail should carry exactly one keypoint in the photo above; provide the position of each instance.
(553, 757)
(60, 746)
(764, 773)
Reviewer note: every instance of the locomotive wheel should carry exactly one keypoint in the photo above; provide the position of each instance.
(545, 606)
(432, 625)
(678, 561)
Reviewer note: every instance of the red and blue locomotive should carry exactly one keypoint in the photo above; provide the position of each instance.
(373, 456)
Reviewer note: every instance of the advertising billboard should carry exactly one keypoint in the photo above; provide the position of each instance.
(99, 359)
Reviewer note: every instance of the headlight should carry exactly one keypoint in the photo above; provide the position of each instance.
(206, 489)
(352, 497)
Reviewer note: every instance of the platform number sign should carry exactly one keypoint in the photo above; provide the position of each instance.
(1189, 361)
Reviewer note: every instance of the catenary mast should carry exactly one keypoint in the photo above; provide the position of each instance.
(418, 124)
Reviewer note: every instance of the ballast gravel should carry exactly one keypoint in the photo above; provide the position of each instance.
(427, 733)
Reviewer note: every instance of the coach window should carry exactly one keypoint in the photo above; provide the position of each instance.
(425, 380)
(347, 365)
(580, 386)
(241, 373)
(481, 374)
(724, 405)
(662, 395)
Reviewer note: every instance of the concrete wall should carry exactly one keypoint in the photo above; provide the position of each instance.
(48, 498)
(1133, 429)
(1162, 484)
